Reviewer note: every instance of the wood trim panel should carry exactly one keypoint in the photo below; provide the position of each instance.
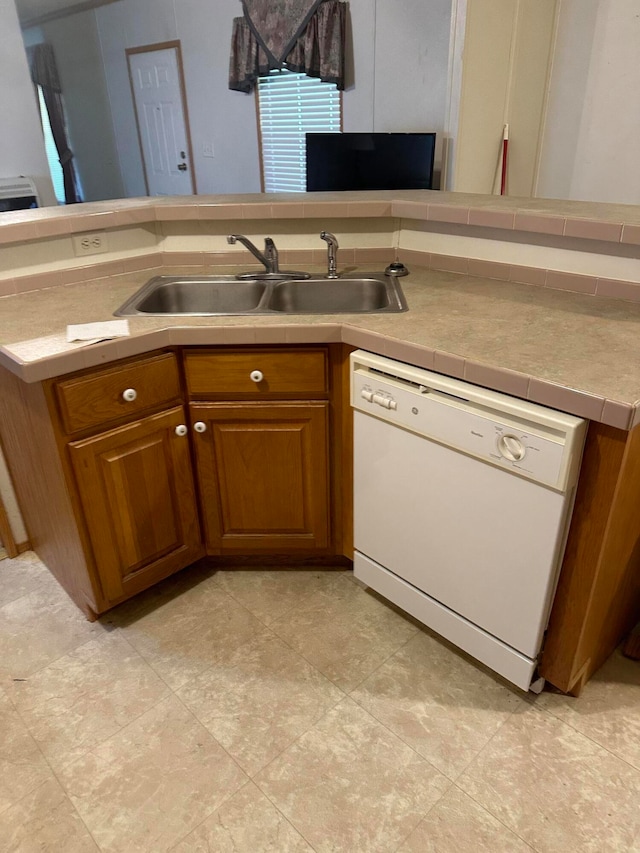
(6, 533)
(341, 450)
(41, 487)
(598, 592)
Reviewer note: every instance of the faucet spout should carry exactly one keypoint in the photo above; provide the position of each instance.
(271, 254)
(270, 257)
(332, 253)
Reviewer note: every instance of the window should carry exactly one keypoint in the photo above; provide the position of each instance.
(290, 105)
(52, 152)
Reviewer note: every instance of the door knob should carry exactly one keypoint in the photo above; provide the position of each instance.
(182, 167)
(181, 430)
(200, 426)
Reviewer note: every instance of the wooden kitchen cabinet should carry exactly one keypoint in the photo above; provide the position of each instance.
(124, 443)
(113, 498)
(263, 470)
(136, 489)
(261, 421)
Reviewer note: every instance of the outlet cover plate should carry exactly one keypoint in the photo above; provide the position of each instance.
(91, 243)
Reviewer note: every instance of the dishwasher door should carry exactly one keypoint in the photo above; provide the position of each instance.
(478, 539)
(462, 502)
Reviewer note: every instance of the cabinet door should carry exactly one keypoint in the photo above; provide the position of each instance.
(136, 488)
(263, 475)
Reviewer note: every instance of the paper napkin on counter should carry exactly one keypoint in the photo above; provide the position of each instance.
(95, 332)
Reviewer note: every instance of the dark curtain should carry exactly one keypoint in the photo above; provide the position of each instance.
(44, 73)
(318, 52)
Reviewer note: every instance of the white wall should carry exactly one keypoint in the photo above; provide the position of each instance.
(397, 82)
(398, 79)
(401, 52)
(590, 146)
(21, 142)
(216, 115)
(504, 80)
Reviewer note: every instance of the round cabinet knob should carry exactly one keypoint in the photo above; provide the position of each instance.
(181, 430)
(256, 376)
(129, 395)
(200, 426)
(511, 448)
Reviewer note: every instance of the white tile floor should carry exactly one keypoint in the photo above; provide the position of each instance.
(254, 711)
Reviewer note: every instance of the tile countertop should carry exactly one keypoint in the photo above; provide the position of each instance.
(565, 350)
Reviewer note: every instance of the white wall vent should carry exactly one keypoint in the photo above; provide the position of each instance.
(14, 189)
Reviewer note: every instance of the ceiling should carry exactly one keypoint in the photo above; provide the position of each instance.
(37, 11)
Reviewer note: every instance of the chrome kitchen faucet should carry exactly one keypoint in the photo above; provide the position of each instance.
(332, 253)
(269, 260)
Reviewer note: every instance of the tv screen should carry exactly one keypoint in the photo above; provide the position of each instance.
(370, 161)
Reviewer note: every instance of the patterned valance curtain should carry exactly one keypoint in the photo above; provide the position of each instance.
(44, 73)
(306, 35)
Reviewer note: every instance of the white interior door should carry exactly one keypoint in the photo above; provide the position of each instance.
(157, 92)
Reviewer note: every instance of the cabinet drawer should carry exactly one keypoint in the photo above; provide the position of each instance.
(98, 398)
(260, 373)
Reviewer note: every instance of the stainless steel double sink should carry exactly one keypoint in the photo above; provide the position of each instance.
(220, 295)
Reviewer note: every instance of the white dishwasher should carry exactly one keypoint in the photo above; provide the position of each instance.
(462, 503)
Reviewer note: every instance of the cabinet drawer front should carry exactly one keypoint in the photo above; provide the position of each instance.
(259, 374)
(99, 398)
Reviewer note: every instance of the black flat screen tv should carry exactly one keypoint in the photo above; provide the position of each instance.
(369, 161)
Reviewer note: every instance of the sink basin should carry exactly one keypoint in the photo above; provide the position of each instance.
(210, 296)
(204, 296)
(329, 296)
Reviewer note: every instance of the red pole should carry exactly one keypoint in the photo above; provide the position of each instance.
(505, 152)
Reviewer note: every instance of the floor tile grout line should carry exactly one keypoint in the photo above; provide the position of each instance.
(426, 814)
(346, 692)
(382, 663)
(15, 679)
(282, 615)
(602, 746)
(249, 781)
(275, 758)
(347, 697)
(299, 737)
(42, 755)
(226, 752)
(19, 678)
(454, 782)
(113, 734)
(67, 795)
(495, 817)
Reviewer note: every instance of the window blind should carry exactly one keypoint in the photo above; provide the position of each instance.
(291, 105)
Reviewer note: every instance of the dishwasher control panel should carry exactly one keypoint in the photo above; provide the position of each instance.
(529, 440)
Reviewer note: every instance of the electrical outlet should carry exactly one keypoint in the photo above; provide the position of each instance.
(92, 243)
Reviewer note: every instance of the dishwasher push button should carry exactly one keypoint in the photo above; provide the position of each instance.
(385, 401)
